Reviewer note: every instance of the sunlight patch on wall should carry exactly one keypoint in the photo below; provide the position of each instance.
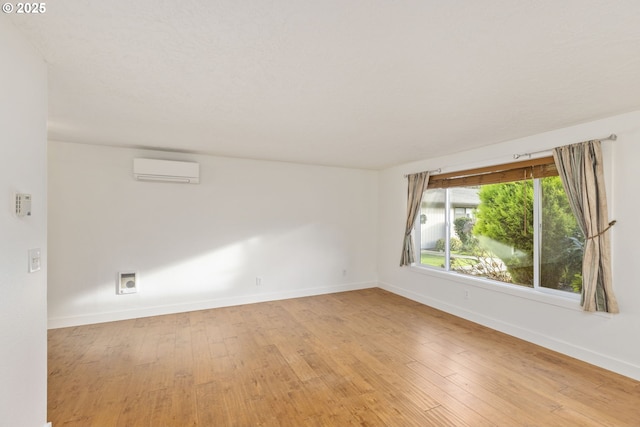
(205, 274)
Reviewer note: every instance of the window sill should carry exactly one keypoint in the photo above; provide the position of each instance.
(569, 301)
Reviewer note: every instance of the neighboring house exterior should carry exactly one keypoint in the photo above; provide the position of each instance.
(464, 201)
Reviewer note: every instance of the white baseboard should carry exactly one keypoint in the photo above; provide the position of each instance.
(48, 425)
(63, 322)
(598, 359)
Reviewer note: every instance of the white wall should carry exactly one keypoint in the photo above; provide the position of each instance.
(23, 304)
(199, 246)
(610, 341)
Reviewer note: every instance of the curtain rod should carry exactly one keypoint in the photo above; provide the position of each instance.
(430, 172)
(611, 137)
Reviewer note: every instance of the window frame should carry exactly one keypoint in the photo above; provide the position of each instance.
(539, 167)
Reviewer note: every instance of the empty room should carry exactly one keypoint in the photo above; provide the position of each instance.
(319, 213)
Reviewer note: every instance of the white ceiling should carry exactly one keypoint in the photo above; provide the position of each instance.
(355, 83)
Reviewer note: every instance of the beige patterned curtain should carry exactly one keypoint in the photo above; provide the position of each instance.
(417, 184)
(580, 168)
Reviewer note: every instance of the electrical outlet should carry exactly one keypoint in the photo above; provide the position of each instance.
(258, 281)
(466, 294)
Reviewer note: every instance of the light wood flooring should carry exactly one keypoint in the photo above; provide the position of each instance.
(362, 358)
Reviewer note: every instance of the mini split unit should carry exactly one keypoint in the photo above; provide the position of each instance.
(166, 171)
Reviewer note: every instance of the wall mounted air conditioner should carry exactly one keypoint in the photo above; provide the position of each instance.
(166, 171)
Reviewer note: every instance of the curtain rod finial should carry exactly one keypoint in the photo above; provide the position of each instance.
(613, 137)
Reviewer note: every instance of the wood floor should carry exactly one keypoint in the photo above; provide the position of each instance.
(365, 358)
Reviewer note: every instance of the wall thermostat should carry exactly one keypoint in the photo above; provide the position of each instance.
(23, 204)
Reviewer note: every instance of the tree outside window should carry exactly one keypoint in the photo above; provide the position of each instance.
(497, 238)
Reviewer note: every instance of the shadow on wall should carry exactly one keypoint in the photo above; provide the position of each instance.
(283, 261)
(294, 226)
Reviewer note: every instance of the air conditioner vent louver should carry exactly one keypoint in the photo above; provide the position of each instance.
(166, 171)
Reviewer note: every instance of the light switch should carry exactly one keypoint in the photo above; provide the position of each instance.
(34, 260)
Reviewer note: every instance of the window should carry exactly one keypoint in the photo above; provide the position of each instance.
(511, 223)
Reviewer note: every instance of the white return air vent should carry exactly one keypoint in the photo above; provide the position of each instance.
(166, 171)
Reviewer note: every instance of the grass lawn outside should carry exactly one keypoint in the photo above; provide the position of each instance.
(429, 258)
(437, 259)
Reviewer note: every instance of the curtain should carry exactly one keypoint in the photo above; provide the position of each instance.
(417, 184)
(580, 168)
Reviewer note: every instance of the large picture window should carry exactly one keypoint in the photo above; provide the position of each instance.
(511, 223)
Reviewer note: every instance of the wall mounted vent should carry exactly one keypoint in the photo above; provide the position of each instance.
(166, 171)
(127, 283)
